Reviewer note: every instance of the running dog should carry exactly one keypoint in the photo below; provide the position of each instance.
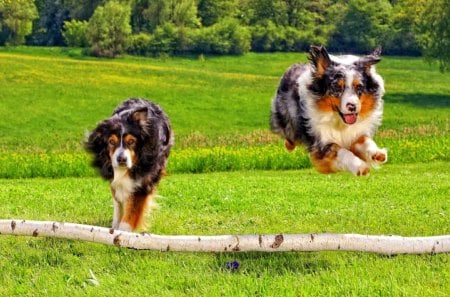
(333, 106)
(130, 149)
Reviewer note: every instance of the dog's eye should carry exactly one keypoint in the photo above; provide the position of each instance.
(359, 90)
(131, 141)
(338, 86)
(112, 142)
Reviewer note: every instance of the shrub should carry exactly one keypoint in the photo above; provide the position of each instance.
(238, 37)
(164, 39)
(140, 44)
(268, 37)
(296, 40)
(109, 29)
(75, 33)
(18, 16)
(225, 37)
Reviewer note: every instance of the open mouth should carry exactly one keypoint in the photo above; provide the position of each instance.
(349, 118)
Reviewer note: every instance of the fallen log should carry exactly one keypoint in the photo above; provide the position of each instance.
(380, 244)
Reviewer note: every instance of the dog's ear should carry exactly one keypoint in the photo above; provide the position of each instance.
(320, 59)
(367, 61)
(165, 134)
(140, 116)
(96, 144)
(95, 140)
(377, 52)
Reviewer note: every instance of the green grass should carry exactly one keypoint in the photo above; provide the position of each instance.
(220, 97)
(50, 97)
(219, 109)
(407, 200)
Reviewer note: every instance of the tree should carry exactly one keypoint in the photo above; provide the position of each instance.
(434, 30)
(363, 26)
(18, 16)
(109, 29)
(75, 33)
(149, 14)
(47, 29)
(212, 11)
(183, 13)
(402, 37)
(261, 11)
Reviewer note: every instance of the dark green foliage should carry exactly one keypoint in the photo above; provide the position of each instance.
(212, 11)
(434, 28)
(140, 44)
(362, 27)
(75, 33)
(402, 39)
(269, 37)
(109, 29)
(17, 16)
(402, 27)
(164, 39)
(225, 37)
(48, 28)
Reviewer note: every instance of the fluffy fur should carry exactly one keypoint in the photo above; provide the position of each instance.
(333, 106)
(130, 149)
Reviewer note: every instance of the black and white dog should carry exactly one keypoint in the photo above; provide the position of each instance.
(333, 106)
(130, 150)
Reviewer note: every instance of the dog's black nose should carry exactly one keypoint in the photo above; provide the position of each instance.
(351, 107)
(121, 159)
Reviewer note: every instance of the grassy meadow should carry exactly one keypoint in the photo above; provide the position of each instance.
(227, 174)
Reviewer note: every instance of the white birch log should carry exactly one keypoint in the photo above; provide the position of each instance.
(381, 244)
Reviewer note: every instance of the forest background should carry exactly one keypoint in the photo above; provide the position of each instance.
(186, 27)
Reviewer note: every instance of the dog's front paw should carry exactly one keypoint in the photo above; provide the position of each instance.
(363, 169)
(359, 167)
(379, 156)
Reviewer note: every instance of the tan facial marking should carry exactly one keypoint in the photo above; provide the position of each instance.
(328, 103)
(367, 104)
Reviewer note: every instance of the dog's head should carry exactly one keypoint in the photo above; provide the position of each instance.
(346, 85)
(129, 140)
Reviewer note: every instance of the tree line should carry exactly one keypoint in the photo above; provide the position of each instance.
(154, 27)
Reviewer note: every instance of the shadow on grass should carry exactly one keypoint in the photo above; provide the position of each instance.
(418, 99)
(257, 263)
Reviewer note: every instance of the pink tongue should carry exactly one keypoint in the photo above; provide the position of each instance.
(350, 118)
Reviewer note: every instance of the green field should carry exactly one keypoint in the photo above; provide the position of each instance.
(227, 175)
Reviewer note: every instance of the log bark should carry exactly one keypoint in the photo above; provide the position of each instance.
(380, 244)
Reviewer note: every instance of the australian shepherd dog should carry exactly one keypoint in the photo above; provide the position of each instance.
(333, 106)
(130, 150)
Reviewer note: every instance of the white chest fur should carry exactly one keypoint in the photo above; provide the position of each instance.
(122, 184)
(332, 130)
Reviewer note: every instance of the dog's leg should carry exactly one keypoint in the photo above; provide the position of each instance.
(333, 158)
(290, 145)
(367, 149)
(346, 160)
(118, 213)
(134, 212)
